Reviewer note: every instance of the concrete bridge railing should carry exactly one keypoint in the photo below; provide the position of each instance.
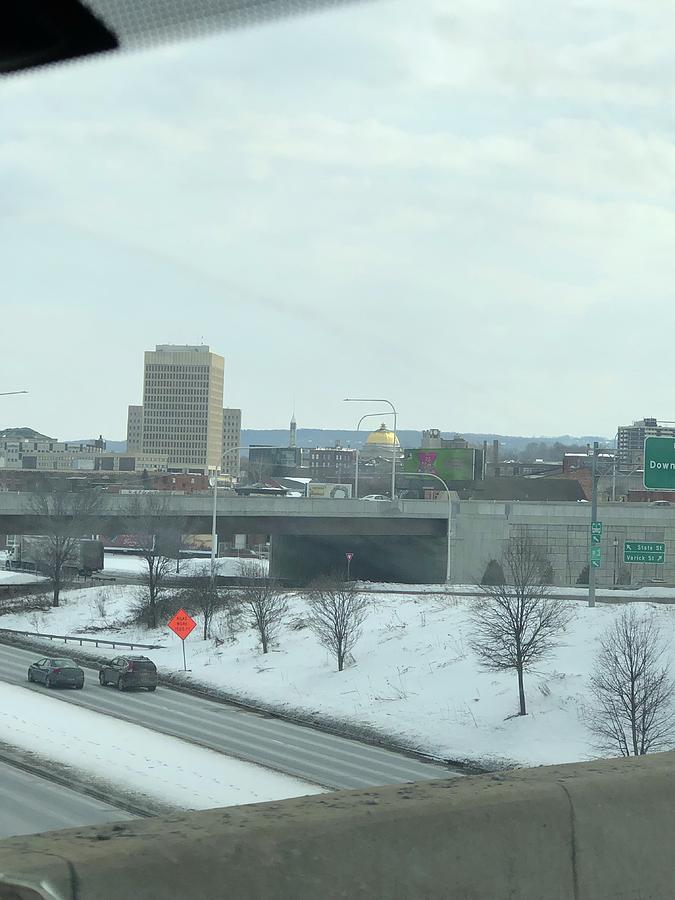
(591, 831)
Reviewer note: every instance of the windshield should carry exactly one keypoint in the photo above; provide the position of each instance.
(335, 357)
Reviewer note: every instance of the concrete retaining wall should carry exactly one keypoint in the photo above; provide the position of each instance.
(479, 530)
(594, 831)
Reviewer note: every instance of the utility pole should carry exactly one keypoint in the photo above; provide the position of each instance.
(592, 565)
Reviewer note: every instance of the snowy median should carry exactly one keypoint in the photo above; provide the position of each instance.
(133, 759)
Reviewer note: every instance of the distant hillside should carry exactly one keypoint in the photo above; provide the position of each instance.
(324, 437)
(23, 434)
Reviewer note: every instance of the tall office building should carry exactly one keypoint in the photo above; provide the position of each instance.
(182, 412)
(135, 429)
(631, 439)
(231, 438)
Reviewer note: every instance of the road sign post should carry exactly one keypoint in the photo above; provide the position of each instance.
(349, 557)
(182, 624)
(659, 464)
(595, 563)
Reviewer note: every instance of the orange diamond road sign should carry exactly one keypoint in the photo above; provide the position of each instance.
(182, 624)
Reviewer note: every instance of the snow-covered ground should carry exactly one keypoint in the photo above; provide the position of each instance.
(414, 676)
(136, 759)
(225, 565)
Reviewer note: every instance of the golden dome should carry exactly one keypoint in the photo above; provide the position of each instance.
(382, 436)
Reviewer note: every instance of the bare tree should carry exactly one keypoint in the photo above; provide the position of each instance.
(264, 602)
(158, 535)
(516, 624)
(204, 595)
(632, 688)
(63, 520)
(337, 613)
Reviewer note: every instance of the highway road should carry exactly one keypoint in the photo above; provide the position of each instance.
(29, 804)
(316, 756)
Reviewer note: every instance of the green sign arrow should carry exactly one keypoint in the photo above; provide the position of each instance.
(644, 552)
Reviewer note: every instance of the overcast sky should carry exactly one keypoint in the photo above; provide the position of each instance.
(465, 207)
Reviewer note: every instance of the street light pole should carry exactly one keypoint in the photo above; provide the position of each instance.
(356, 475)
(447, 493)
(393, 448)
(594, 517)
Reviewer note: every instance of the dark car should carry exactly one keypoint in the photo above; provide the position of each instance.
(129, 672)
(57, 671)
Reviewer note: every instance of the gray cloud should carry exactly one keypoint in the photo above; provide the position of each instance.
(471, 214)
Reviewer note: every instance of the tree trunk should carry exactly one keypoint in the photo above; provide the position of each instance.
(263, 640)
(56, 593)
(521, 692)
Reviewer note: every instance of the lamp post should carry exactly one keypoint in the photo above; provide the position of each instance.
(393, 448)
(356, 474)
(447, 493)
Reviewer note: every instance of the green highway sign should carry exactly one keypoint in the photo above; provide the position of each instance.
(659, 473)
(644, 552)
(596, 528)
(596, 538)
(596, 556)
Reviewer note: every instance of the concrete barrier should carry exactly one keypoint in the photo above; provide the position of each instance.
(592, 831)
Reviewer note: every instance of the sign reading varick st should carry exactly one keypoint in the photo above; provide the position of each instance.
(659, 463)
(644, 552)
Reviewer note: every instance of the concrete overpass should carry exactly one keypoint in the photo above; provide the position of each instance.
(601, 830)
(401, 541)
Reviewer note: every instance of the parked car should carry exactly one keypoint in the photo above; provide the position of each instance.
(127, 672)
(376, 497)
(57, 671)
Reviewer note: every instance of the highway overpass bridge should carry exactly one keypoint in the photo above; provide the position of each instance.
(404, 540)
(401, 541)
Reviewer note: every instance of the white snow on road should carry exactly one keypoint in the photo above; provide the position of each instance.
(414, 676)
(134, 758)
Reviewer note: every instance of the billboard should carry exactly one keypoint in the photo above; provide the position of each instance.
(316, 490)
(450, 464)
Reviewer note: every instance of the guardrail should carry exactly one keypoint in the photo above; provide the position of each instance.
(102, 642)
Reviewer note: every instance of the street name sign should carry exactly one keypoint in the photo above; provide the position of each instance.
(644, 552)
(659, 465)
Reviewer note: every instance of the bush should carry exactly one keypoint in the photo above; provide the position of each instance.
(583, 576)
(494, 573)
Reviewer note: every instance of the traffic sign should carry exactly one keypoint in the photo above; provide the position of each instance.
(350, 556)
(596, 538)
(596, 556)
(596, 528)
(659, 464)
(644, 552)
(181, 624)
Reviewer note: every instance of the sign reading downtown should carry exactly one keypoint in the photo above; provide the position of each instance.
(644, 552)
(659, 474)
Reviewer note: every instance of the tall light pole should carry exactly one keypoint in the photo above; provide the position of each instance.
(356, 474)
(393, 447)
(594, 516)
(447, 493)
